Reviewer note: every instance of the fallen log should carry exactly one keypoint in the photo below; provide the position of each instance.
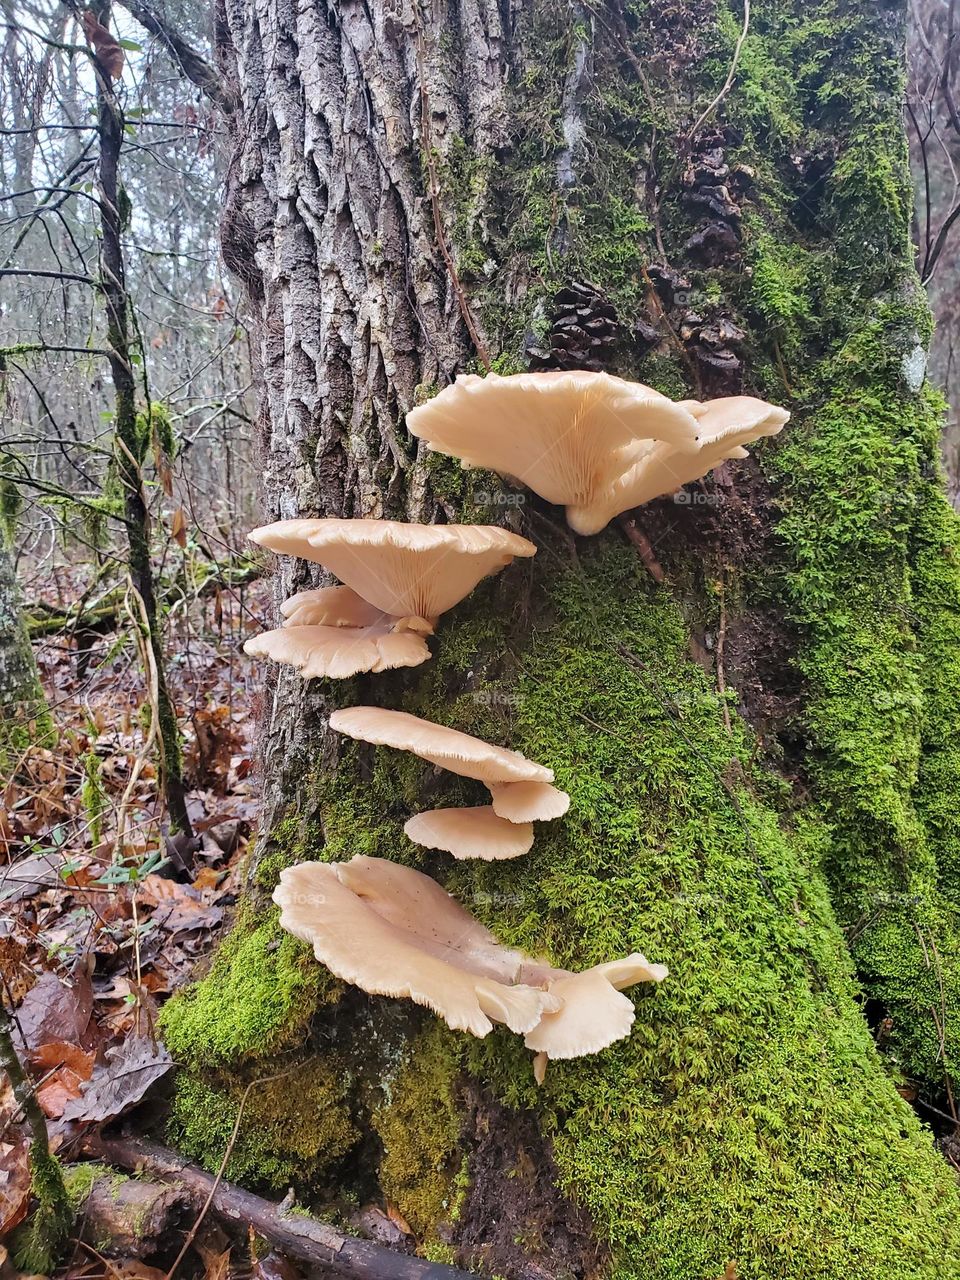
(301, 1237)
(130, 1217)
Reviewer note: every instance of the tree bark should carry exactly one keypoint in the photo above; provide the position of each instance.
(759, 750)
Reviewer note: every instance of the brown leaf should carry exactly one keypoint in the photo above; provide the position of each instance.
(54, 1010)
(14, 1186)
(120, 1083)
(105, 45)
(178, 527)
(60, 1053)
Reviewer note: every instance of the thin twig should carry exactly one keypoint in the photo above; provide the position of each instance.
(728, 83)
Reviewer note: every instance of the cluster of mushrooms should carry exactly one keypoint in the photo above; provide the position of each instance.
(598, 446)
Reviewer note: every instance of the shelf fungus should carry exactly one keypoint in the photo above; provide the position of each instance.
(471, 833)
(521, 790)
(397, 579)
(724, 427)
(566, 436)
(592, 443)
(393, 931)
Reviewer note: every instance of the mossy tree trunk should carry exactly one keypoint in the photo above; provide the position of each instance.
(762, 751)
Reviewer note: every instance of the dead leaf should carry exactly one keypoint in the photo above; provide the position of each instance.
(178, 527)
(121, 1082)
(14, 1186)
(55, 1010)
(105, 45)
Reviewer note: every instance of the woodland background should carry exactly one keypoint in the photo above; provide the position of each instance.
(118, 611)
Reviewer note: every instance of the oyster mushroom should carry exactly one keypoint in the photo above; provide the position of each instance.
(522, 791)
(393, 931)
(471, 833)
(567, 436)
(724, 426)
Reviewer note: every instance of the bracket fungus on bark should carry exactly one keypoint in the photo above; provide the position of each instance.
(521, 790)
(471, 833)
(567, 436)
(594, 444)
(724, 427)
(397, 579)
(395, 932)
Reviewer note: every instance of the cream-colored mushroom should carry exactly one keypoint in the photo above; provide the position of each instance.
(528, 801)
(594, 1013)
(411, 572)
(459, 753)
(330, 607)
(471, 833)
(566, 436)
(394, 932)
(725, 426)
(336, 653)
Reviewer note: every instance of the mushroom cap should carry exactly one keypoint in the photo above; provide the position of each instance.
(337, 653)
(393, 931)
(529, 801)
(594, 1014)
(565, 435)
(449, 748)
(724, 427)
(403, 569)
(471, 833)
(329, 607)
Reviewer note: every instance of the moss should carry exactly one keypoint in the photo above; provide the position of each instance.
(277, 1144)
(257, 999)
(419, 1126)
(37, 1243)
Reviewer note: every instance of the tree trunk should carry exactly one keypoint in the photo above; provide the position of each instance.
(762, 751)
(24, 718)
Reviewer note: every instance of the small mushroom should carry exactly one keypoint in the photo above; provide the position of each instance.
(724, 427)
(394, 932)
(459, 753)
(471, 833)
(567, 435)
(594, 1013)
(336, 653)
(411, 572)
(330, 607)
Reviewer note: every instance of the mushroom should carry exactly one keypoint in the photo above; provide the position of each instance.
(338, 652)
(594, 1013)
(498, 767)
(567, 436)
(394, 932)
(471, 833)
(724, 427)
(329, 607)
(410, 572)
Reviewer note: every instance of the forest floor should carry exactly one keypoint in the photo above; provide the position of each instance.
(102, 915)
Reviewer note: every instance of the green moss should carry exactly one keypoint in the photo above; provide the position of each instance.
(258, 998)
(37, 1243)
(419, 1125)
(293, 1130)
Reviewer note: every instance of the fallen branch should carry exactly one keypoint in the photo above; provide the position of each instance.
(297, 1235)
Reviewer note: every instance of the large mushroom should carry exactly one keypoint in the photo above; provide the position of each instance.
(594, 444)
(397, 578)
(724, 426)
(522, 791)
(567, 436)
(393, 931)
(471, 833)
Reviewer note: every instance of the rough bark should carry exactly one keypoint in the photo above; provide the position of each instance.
(760, 749)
